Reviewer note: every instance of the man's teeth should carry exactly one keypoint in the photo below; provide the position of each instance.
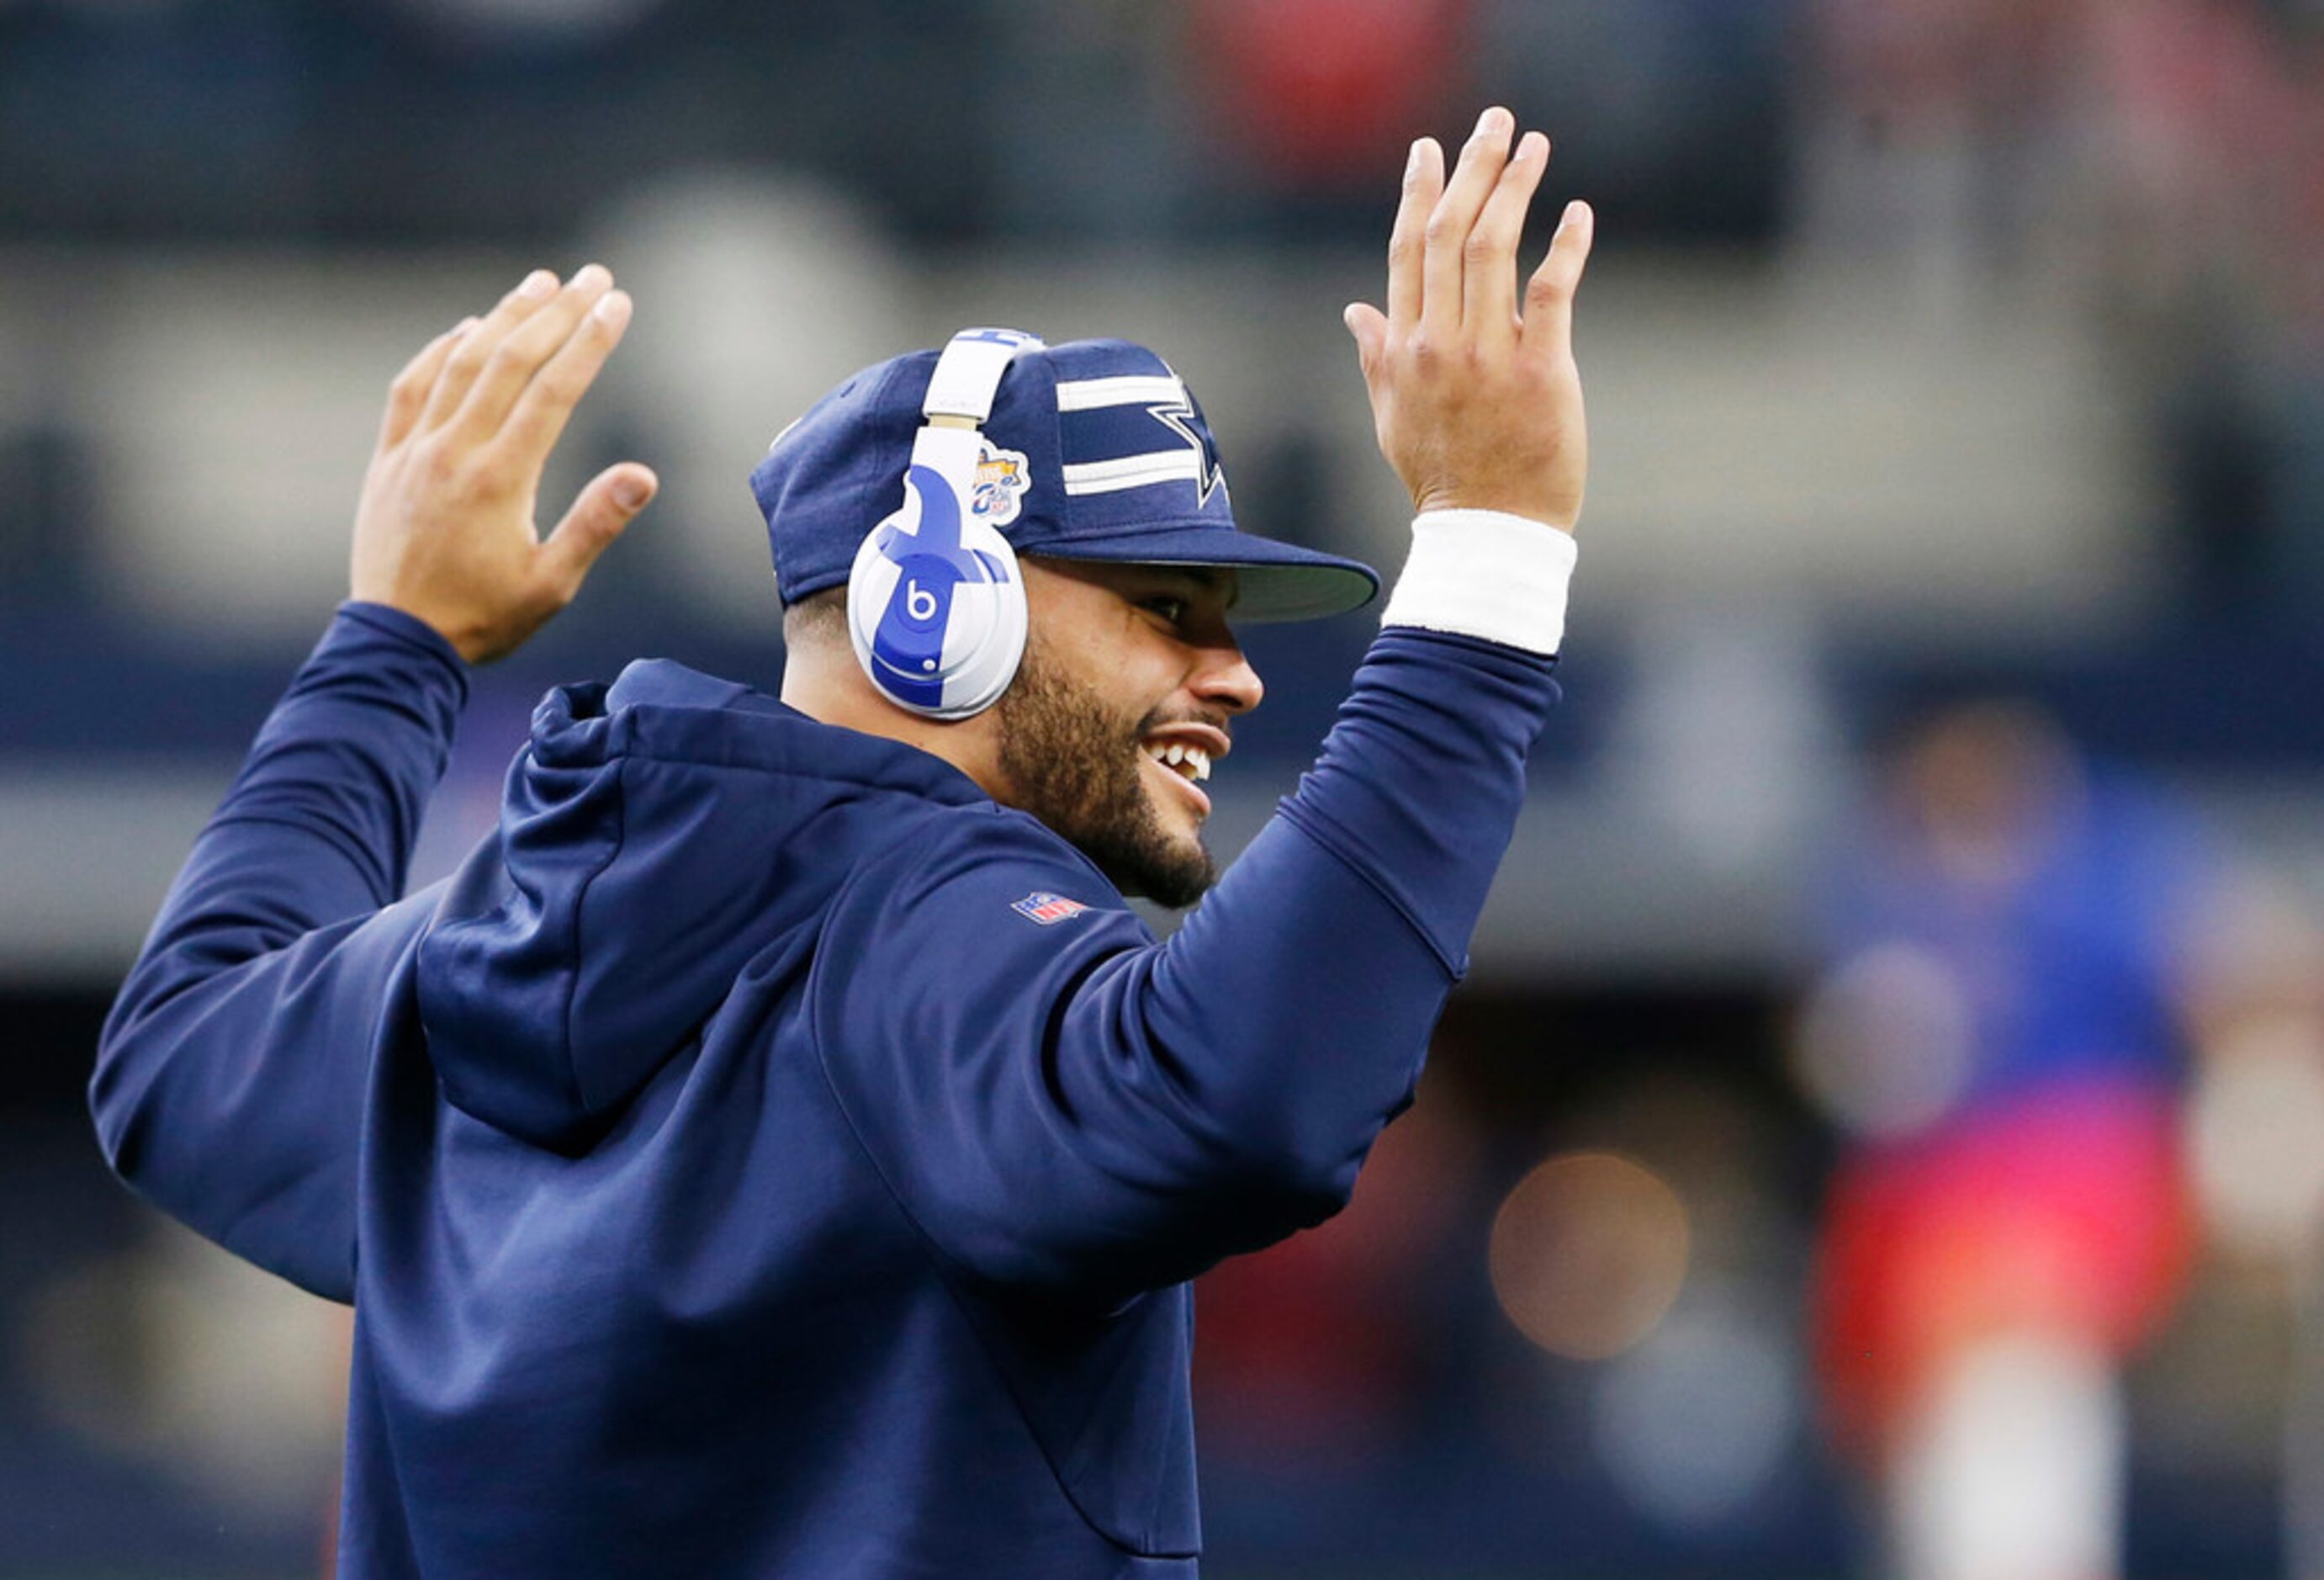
(1192, 761)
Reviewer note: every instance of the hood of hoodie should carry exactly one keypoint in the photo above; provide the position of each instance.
(655, 835)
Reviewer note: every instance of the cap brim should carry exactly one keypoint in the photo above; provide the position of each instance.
(1275, 581)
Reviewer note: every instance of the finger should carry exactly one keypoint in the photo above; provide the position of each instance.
(1549, 297)
(407, 397)
(609, 502)
(478, 344)
(538, 418)
(1455, 216)
(1424, 183)
(1489, 288)
(528, 349)
(1369, 327)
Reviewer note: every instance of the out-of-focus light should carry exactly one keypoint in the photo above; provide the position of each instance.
(1587, 1254)
(1694, 1424)
(1324, 88)
(1886, 1042)
(2252, 1136)
(757, 291)
(2014, 1464)
(549, 23)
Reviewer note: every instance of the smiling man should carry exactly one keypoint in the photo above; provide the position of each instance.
(778, 1151)
(1119, 523)
(1110, 727)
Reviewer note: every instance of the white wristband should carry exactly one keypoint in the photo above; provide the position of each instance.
(1487, 574)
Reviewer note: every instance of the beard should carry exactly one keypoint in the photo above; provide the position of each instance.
(1073, 763)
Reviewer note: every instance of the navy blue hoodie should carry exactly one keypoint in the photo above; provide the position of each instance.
(766, 1156)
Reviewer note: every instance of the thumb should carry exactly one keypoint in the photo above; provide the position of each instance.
(605, 505)
(1369, 327)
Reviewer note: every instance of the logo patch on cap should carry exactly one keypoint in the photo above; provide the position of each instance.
(1047, 908)
(1003, 476)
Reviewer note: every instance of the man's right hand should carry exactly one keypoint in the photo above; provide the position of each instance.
(445, 532)
(1476, 407)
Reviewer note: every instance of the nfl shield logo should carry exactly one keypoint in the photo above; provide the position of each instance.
(1047, 908)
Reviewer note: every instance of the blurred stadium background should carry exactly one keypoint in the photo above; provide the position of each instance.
(1883, 1132)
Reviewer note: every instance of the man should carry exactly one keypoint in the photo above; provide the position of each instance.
(777, 1151)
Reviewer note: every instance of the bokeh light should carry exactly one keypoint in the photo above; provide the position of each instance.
(1698, 1421)
(2252, 1136)
(1884, 1041)
(1588, 1253)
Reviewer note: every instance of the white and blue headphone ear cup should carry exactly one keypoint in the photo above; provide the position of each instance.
(992, 644)
(935, 600)
(963, 666)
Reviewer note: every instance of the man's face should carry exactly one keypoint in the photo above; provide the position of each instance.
(1127, 666)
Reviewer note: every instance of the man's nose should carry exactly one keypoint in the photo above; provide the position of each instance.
(1225, 678)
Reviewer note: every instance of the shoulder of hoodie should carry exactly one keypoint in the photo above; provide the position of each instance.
(962, 872)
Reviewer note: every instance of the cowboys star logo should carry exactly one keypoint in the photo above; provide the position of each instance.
(1185, 418)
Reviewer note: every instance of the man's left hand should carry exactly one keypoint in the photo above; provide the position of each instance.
(1477, 405)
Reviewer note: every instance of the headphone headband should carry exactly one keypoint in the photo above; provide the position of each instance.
(968, 372)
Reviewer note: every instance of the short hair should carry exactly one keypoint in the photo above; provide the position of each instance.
(819, 618)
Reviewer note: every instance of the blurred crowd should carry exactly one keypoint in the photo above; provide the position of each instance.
(1906, 1156)
(2160, 160)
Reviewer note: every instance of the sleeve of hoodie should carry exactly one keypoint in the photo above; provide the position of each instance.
(1070, 1106)
(231, 1073)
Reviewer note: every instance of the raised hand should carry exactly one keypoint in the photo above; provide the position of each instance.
(445, 531)
(1476, 406)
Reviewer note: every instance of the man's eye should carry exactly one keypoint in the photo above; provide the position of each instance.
(1172, 610)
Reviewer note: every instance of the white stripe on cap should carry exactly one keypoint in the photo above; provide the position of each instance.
(1125, 390)
(1179, 465)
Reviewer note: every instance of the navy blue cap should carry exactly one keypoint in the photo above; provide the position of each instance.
(1103, 449)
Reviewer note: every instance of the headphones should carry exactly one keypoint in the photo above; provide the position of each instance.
(935, 602)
